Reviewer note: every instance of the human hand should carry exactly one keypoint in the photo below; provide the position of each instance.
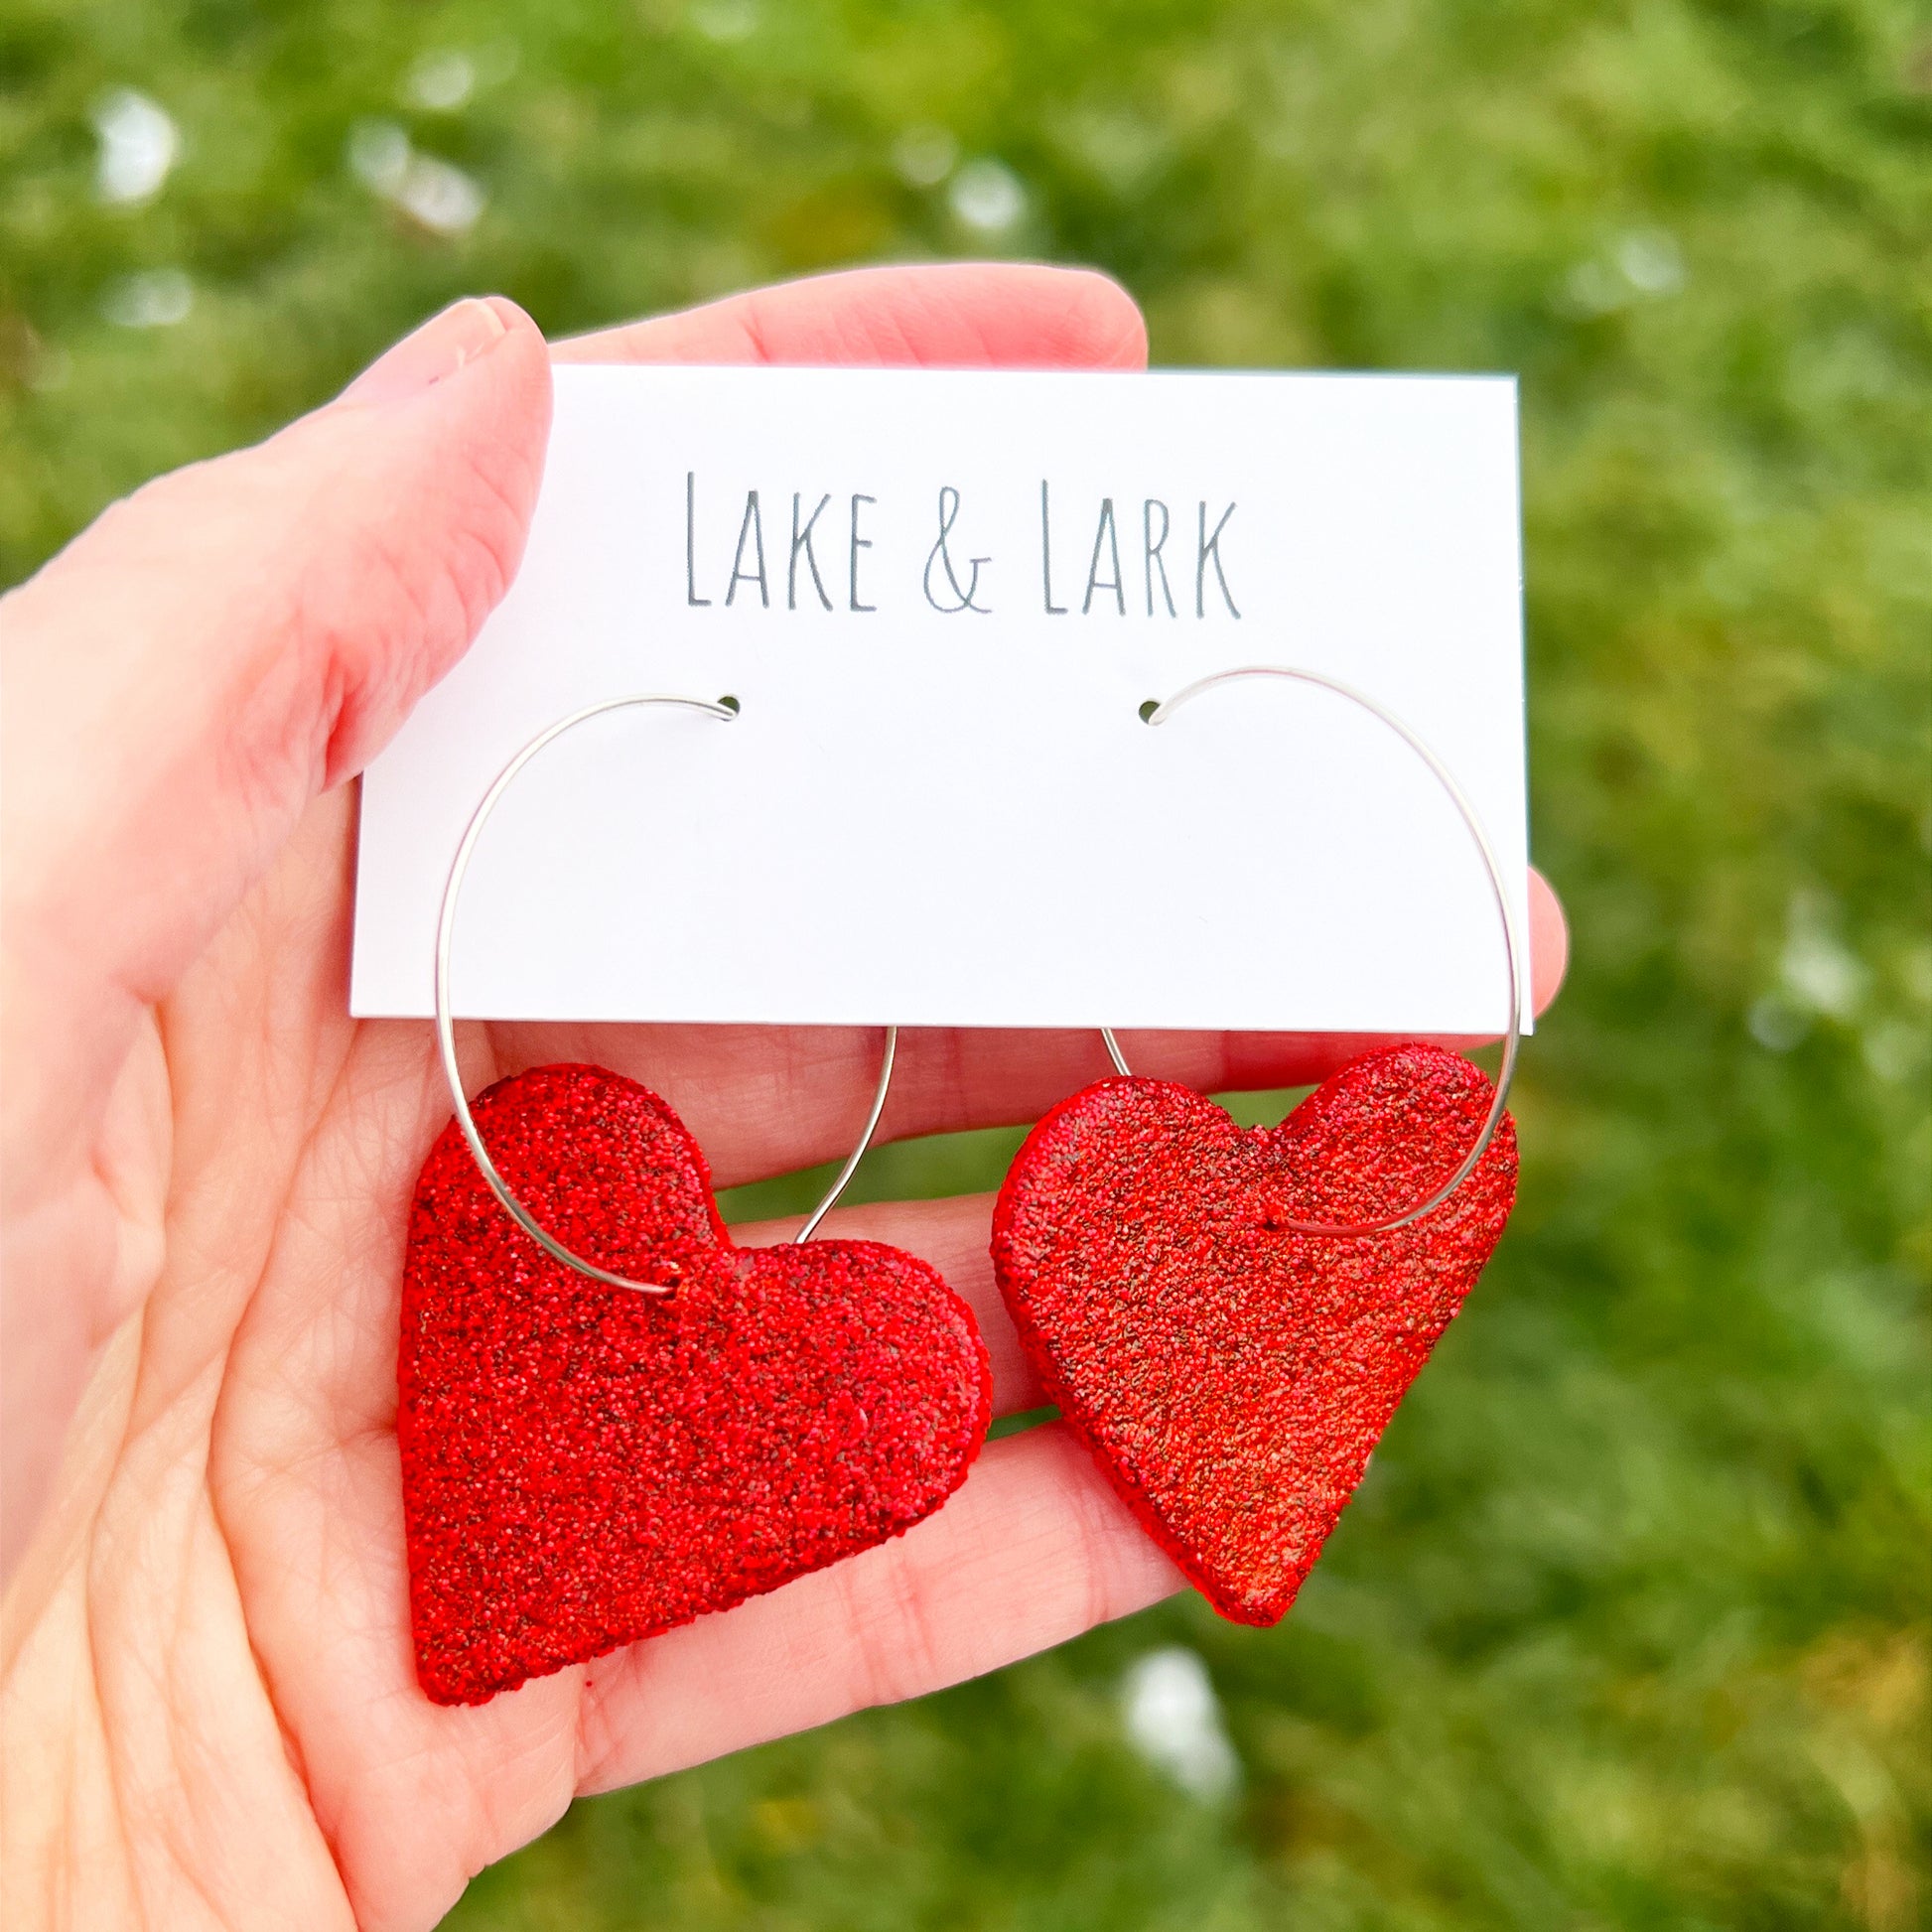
(210, 1712)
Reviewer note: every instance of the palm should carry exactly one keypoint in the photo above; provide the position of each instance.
(264, 1470)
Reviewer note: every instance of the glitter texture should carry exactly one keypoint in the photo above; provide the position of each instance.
(586, 1466)
(1230, 1377)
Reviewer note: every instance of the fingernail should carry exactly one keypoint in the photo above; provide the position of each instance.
(441, 347)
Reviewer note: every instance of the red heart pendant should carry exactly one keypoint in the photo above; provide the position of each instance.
(1229, 1376)
(585, 1466)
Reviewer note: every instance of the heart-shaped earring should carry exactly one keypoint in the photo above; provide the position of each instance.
(1229, 1317)
(611, 1419)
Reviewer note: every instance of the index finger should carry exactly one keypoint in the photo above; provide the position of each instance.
(941, 315)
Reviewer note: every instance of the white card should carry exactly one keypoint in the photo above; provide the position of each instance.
(940, 815)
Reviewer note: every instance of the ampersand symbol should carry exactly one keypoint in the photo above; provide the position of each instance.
(940, 554)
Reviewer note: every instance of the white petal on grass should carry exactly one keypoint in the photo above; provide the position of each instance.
(379, 156)
(156, 299)
(924, 155)
(1644, 266)
(434, 192)
(1651, 261)
(988, 195)
(1174, 1720)
(1823, 973)
(139, 144)
(442, 81)
(440, 195)
(1590, 289)
(725, 21)
(1818, 969)
(1776, 1025)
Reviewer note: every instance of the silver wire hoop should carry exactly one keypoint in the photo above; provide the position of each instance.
(724, 710)
(1158, 713)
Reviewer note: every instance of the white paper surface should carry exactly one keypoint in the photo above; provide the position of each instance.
(958, 818)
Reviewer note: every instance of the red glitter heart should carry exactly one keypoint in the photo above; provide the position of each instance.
(586, 1466)
(1231, 1377)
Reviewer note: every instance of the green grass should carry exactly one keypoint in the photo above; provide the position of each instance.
(1629, 1624)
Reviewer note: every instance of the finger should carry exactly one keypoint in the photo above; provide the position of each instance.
(764, 1100)
(219, 647)
(955, 1237)
(954, 315)
(1033, 1550)
(1549, 942)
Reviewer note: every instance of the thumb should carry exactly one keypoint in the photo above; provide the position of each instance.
(216, 649)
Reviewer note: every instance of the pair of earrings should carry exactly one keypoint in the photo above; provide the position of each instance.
(613, 1420)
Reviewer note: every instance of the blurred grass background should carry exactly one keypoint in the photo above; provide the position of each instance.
(1628, 1627)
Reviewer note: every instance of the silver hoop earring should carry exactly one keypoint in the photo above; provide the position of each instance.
(1158, 712)
(724, 710)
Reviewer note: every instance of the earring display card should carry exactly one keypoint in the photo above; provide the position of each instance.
(942, 599)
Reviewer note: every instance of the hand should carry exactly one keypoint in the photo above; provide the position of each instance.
(210, 1706)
